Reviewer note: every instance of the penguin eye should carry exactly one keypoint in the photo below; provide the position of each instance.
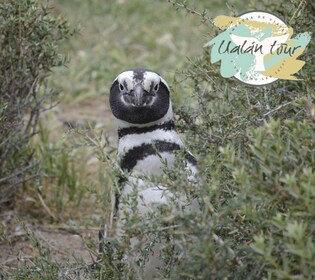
(121, 87)
(156, 87)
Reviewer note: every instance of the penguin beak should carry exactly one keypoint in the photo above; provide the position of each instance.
(138, 98)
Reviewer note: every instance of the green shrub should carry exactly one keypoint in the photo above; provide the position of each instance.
(255, 148)
(28, 52)
(256, 153)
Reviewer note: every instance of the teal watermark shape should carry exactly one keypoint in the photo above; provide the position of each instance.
(226, 51)
(257, 48)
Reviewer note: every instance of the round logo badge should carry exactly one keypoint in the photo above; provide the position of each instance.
(256, 48)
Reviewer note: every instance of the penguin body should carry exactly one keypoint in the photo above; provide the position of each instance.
(140, 102)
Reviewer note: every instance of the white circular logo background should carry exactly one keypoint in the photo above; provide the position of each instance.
(257, 48)
(255, 75)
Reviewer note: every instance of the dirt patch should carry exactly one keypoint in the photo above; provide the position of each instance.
(95, 111)
(18, 241)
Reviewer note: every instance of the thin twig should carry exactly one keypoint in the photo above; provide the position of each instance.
(279, 108)
(51, 214)
(65, 272)
(68, 228)
(203, 14)
(297, 10)
(19, 172)
(230, 250)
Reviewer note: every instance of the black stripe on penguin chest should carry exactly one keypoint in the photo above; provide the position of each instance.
(130, 159)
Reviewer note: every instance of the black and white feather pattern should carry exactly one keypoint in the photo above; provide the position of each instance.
(140, 102)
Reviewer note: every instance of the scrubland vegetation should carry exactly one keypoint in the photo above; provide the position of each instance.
(254, 145)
